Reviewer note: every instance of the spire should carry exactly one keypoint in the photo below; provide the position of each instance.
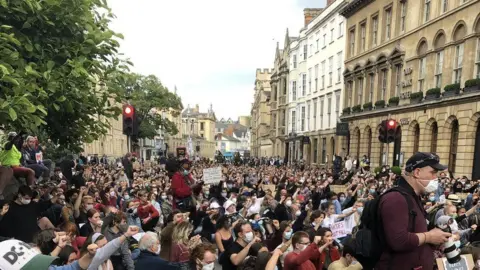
(211, 107)
(175, 90)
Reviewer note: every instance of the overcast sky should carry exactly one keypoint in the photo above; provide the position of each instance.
(209, 49)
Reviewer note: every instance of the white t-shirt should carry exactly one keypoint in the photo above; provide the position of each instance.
(255, 208)
(328, 221)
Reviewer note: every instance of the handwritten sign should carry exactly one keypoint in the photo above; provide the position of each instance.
(338, 229)
(212, 175)
(39, 157)
(465, 263)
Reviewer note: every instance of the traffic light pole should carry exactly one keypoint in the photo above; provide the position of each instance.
(388, 147)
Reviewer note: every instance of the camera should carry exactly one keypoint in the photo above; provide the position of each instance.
(450, 248)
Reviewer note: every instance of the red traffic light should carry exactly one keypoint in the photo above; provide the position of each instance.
(128, 110)
(392, 123)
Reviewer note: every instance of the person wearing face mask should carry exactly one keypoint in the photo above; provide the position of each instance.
(236, 253)
(203, 257)
(408, 241)
(182, 184)
(122, 258)
(286, 245)
(148, 259)
(22, 219)
(305, 254)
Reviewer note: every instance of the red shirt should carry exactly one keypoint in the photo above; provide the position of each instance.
(302, 260)
(145, 210)
(179, 187)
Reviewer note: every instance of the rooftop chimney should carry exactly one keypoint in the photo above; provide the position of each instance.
(329, 2)
(311, 13)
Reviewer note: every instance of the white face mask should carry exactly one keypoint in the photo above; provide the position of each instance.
(248, 237)
(90, 206)
(164, 197)
(158, 250)
(112, 194)
(25, 202)
(298, 213)
(209, 266)
(303, 247)
(432, 185)
(288, 203)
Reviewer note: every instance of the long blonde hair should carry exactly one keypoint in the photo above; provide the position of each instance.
(181, 232)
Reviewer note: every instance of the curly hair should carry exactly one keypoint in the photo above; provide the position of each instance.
(199, 251)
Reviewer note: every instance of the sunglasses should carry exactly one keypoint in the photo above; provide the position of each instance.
(432, 157)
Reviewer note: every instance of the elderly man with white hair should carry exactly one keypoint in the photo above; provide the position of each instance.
(149, 258)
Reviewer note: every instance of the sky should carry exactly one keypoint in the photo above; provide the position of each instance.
(208, 49)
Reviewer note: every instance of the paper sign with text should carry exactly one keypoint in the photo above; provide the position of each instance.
(212, 175)
(338, 229)
(39, 157)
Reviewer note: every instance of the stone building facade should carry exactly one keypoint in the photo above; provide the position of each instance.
(414, 61)
(261, 145)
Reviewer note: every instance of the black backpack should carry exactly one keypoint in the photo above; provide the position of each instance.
(369, 239)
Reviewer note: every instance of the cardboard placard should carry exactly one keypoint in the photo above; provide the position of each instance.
(466, 263)
(39, 157)
(271, 188)
(212, 175)
(338, 229)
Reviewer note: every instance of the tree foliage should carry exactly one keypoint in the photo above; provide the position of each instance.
(53, 54)
(150, 98)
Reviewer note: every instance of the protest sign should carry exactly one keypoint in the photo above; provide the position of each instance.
(212, 175)
(338, 229)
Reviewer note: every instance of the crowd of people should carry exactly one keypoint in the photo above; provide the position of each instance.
(259, 216)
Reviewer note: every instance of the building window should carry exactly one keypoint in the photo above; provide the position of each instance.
(329, 111)
(403, 15)
(309, 80)
(384, 84)
(315, 150)
(316, 78)
(438, 69)
(369, 143)
(311, 49)
(324, 150)
(324, 40)
(388, 23)
(363, 36)
(304, 84)
(374, 31)
(331, 35)
(305, 51)
(317, 44)
(360, 91)
(352, 42)
(302, 123)
(339, 66)
(340, 30)
(398, 80)
(315, 114)
(458, 63)
(453, 146)
(294, 61)
(293, 121)
(433, 143)
(202, 127)
(371, 86)
(294, 90)
(308, 117)
(349, 93)
(426, 11)
(284, 118)
(321, 113)
(477, 61)
(421, 74)
(323, 75)
(416, 138)
(444, 6)
(337, 105)
(330, 71)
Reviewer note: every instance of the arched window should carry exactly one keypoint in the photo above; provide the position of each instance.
(433, 143)
(416, 138)
(453, 146)
(369, 143)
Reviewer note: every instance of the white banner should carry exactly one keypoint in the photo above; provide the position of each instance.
(212, 175)
(338, 229)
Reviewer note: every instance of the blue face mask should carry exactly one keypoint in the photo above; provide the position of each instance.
(458, 244)
(360, 210)
(288, 235)
(246, 193)
(372, 191)
(432, 198)
(185, 172)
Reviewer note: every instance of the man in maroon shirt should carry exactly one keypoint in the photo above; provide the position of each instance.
(306, 255)
(406, 249)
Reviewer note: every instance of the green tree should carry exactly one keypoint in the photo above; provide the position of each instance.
(150, 98)
(53, 54)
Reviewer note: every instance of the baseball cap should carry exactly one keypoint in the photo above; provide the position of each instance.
(17, 255)
(424, 159)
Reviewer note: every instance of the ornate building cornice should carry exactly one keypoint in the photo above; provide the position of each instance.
(353, 7)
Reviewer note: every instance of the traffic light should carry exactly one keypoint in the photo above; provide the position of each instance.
(128, 119)
(382, 132)
(391, 130)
